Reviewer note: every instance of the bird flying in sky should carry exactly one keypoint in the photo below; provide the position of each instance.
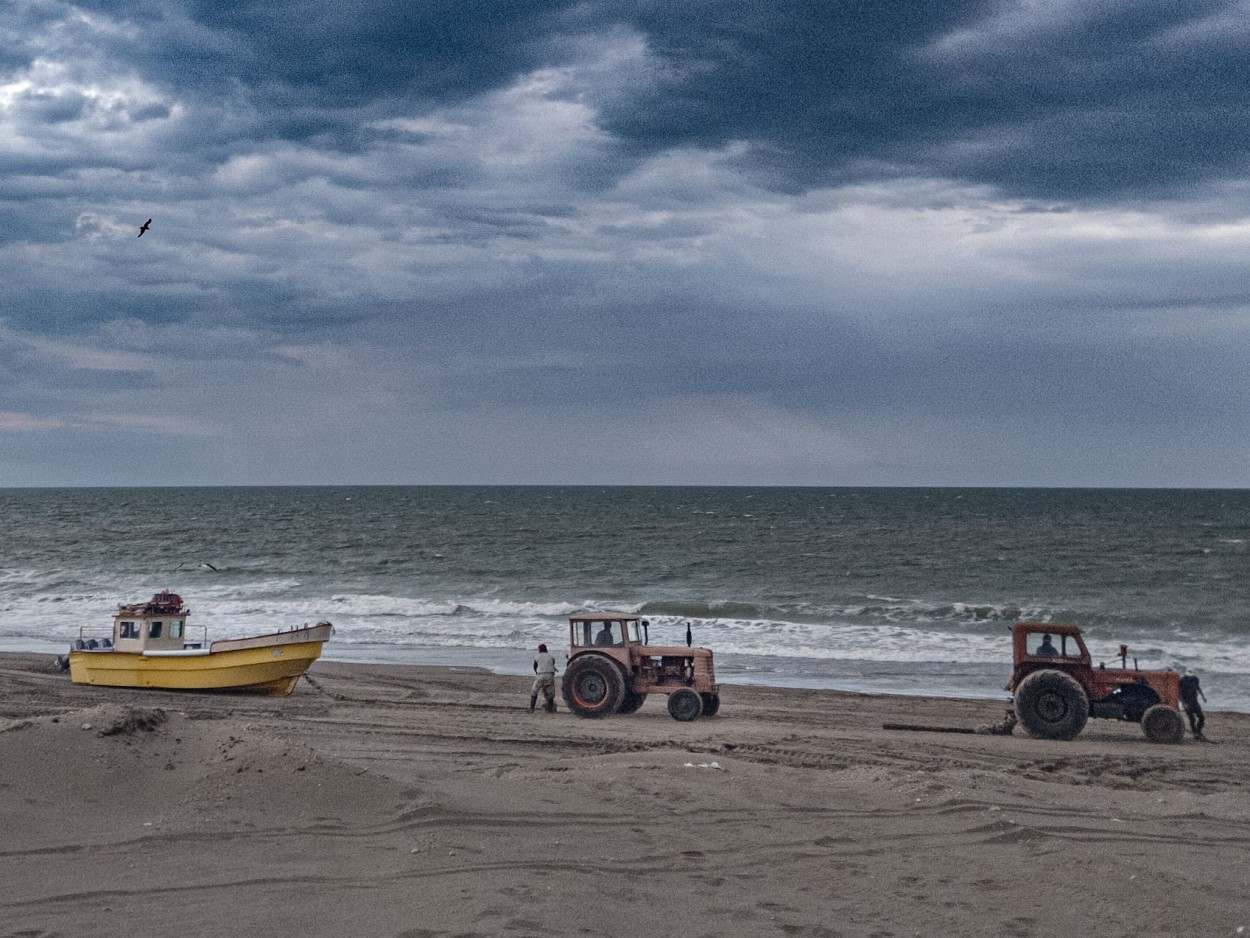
(144, 227)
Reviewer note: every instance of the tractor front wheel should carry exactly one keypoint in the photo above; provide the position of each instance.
(1162, 724)
(711, 704)
(593, 686)
(684, 705)
(1052, 705)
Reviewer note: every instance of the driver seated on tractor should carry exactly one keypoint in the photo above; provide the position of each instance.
(605, 636)
(1046, 649)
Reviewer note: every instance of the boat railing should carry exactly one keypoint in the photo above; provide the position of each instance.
(93, 639)
(189, 643)
(99, 639)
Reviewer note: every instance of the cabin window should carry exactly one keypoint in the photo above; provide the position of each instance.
(588, 632)
(129, 630)
(154, 629)
(175, 629)
(1047, 645)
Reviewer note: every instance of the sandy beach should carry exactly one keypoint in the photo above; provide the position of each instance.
(428, 802)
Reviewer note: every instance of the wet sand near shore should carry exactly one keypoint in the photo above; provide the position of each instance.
(429, 803)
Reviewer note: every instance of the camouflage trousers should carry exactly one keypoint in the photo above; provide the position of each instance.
(544, 684)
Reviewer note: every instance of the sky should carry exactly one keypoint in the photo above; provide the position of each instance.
(743, 242)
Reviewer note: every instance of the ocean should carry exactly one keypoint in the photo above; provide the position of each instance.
(902, 591)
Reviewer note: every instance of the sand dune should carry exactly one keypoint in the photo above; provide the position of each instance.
(423, 802)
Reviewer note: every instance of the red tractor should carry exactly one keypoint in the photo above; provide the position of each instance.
(612, 668)
(1057, 688)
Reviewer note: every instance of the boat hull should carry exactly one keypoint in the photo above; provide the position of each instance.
(270, 664)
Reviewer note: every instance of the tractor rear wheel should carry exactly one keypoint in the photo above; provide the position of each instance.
(711, 704)
(1052, 705)
(684, 705)
(1162, 724)
(633, 700)
(593, 686)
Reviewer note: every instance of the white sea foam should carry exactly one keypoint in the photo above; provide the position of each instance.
(897, 656)
(500, 623)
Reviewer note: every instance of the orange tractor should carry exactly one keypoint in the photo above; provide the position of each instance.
(1057, 688)
(612, 668)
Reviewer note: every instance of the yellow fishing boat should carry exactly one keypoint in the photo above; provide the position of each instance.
(150, 647)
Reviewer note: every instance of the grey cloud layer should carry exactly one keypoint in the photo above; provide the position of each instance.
(825, 242)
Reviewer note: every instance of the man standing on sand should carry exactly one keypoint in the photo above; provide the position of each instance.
(544, 680)
(1190, 692)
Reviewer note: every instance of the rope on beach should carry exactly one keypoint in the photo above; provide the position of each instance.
(308, 677)
(918, 728)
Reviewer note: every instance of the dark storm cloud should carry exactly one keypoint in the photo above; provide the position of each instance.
(1060, 101)
(1044, 100)
(302, 71)
(1048, 101)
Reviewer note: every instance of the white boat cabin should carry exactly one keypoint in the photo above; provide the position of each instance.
(157, 625)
